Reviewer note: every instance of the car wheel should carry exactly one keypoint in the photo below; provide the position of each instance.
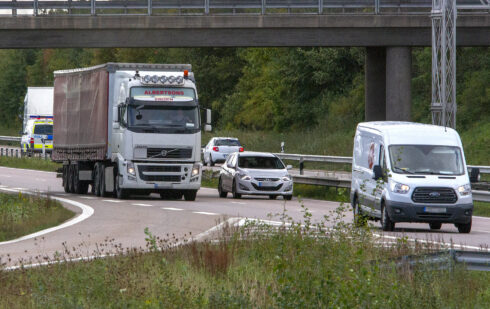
(386, 224)
(222, 193)
(211, 163)
(359, 218)
(272, 197)
(288, 197)
(435, 225)
(464, 228)
(233, 192)
(190, 195)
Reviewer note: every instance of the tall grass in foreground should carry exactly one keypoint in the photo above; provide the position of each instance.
(24, 214)
(30, 163)
(296, 265)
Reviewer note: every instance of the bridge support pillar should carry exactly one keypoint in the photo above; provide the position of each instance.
(375, 84)
(398, 83)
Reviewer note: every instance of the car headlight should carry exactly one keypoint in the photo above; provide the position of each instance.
(130, 169)
(464, 190)
(245, 177)
(399, 188)
(286, 178)
(195, 170)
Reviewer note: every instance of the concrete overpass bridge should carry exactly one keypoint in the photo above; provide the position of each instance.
(387, 28)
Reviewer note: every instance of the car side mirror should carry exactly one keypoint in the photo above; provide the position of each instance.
(378, 172)
(289, 167)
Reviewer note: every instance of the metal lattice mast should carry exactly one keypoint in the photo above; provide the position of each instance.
(443, 105)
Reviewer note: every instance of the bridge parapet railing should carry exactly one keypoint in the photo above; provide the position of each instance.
(216, 7)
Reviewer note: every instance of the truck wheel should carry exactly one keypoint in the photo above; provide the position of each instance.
(65, 179)
(386, 224)
(190, 195)
(70, 179)
(97, 179)
(120, 192)
(464, 228)
(102, 187)
(435, 225)
(76, 180)
(222, 193)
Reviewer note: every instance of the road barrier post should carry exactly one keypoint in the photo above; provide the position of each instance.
(16, 153)
(301, 166)
(11, 152)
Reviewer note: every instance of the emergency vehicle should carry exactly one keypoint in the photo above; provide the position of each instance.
(38, 132)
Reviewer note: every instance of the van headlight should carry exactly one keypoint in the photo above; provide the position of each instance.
(195, 170)
(464, 190)
(130, 169)
(399, 188)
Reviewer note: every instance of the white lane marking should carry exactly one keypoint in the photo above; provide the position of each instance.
(87, 211)
(171, 208)
(1, 186)
(205, 213)
(240, 203)
(88, 197)
(62, 194)
(144, 205)
(112, 201)
(6, 176)
(27, 169)
(450, 245)
(20, 189)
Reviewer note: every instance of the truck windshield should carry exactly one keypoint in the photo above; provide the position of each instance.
(260, 163)
(43, 129)
(426, 159)
(163, 119)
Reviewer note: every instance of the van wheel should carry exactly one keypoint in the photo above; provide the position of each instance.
(272, 197)
(288, 197)
(359, 219)
(386, 224)
(464, 228)
(233, 191)
(190, 195)
(435, 225)
(222, 193)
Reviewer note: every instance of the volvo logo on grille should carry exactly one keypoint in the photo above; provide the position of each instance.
(434, 194)
(163, 153)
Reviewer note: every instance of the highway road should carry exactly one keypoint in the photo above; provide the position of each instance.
(105, 223)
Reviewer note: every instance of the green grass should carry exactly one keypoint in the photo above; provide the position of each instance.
(254, 267)
(30, 163)
(24, 214)
(481, 209)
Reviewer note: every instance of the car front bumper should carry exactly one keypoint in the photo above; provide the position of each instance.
(255, 187)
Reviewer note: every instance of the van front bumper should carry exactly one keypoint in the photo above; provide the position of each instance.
(443, 213)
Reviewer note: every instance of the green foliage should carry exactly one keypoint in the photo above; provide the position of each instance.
(23, 214)
(30, 163)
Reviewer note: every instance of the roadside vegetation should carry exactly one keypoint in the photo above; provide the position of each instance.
(30, 163)
(256, 266)
(22, 214)
(481, 209)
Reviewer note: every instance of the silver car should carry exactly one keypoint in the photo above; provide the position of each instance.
(219, 148)
(255, 173)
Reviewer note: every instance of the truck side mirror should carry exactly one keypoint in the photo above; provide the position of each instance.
(208, 116)
(378, 172)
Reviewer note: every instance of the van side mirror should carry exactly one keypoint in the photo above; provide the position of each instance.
(378, 172)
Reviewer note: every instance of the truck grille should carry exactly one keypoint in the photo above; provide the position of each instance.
(144, 170)
(159, 168)
(165, 178)
(267, 188)
(434, 195)
(169, 153)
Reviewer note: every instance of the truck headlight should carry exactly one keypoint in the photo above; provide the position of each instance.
(399, 188)
(130, 169)
(464, 190)
(195, 170)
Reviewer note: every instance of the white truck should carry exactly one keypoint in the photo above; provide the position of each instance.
(128, 128)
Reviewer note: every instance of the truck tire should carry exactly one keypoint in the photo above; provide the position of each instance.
(65, 179)
(120, 192)
(70, 179)
(190, 195)
(102, 187)
(97, 190)
(76, 180)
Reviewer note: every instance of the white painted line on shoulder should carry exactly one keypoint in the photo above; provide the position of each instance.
(87, 211)
(240, 203)
(88, 197)
(171, 208)
(1, 186)
(143, 205)
(205, 213)
(62, 194)
(20, 189)
(448, 245)
(112, 201)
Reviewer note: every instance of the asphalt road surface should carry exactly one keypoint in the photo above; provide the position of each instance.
(107, 224)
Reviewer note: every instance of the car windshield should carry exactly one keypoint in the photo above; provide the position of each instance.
(227, 142)
(259, 162)
(43, 129)
(426, 159)
(163, 118)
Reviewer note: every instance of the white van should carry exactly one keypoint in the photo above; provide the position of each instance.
(410, 172)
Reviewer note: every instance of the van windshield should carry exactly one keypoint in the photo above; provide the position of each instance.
(43, 129)
(426, 159)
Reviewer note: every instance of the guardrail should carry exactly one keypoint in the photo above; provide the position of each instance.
(10, 138)
(179, 7)
(471, 260)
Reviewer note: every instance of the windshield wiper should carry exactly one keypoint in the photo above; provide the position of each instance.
(402, 170)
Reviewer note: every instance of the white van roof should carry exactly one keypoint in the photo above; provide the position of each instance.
(411, 133)
(39, 101)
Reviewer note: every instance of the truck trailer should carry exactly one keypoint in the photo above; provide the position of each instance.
(128, 128)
